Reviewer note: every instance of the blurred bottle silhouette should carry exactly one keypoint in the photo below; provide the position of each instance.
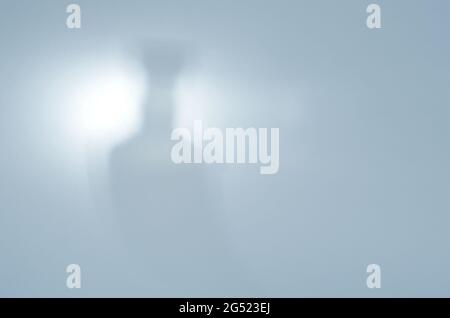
(168, 213)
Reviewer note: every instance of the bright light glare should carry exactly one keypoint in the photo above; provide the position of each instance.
(109, 99)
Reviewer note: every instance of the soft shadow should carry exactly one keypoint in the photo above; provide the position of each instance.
(169, 214)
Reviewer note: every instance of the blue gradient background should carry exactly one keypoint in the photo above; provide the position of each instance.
(364, 150)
